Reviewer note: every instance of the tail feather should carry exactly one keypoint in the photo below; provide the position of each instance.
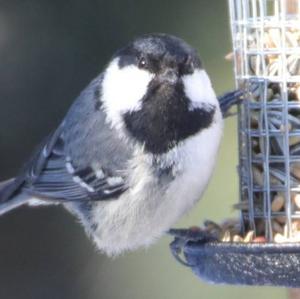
(4, 187)
(13, 203)
(5, 183)
(8, 203)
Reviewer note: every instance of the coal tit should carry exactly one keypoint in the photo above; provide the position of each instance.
(134, 152)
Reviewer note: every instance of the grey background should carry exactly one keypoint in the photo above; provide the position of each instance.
(49, 51)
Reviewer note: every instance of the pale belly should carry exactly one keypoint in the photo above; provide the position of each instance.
(148, 209)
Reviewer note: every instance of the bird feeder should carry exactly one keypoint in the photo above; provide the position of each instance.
(263, 246)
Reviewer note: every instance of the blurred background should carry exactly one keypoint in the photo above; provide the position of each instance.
(49, 51)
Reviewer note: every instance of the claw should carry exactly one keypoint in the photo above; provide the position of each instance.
(230, 99)
(182, 237)
(235, 97)
(176, 249)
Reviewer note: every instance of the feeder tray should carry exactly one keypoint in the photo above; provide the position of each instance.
(266, 48)
(239, 263)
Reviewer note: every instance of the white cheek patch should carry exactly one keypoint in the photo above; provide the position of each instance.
(123, 89)
(198, 89)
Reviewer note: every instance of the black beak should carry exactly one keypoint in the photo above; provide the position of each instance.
(169, 75)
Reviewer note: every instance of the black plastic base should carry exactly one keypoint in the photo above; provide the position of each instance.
(245, 264)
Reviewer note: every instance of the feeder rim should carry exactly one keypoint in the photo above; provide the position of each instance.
(213, 247)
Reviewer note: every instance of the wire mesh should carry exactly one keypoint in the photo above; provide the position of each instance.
(266, 45)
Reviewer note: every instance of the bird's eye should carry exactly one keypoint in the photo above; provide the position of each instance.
(143, 63)
(188, 66)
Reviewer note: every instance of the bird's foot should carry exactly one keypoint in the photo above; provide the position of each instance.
(183, 236)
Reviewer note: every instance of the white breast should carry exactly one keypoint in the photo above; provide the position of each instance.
(147, 209)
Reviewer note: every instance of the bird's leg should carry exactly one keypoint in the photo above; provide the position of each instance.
(194, 234)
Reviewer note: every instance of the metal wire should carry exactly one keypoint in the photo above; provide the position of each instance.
(262, 55)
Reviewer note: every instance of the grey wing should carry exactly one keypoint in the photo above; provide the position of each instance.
(82, 160)
(54, 175)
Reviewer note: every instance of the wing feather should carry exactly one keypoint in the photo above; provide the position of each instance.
(53, 175)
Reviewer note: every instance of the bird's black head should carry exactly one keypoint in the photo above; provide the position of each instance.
(156, 88)
(164, 55)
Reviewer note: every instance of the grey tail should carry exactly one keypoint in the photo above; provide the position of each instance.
(9, 201)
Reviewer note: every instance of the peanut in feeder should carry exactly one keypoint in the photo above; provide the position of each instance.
(264, 248)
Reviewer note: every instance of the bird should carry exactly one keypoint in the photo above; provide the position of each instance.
(136, 149)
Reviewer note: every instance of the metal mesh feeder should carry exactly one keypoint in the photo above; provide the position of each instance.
(263, 247)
